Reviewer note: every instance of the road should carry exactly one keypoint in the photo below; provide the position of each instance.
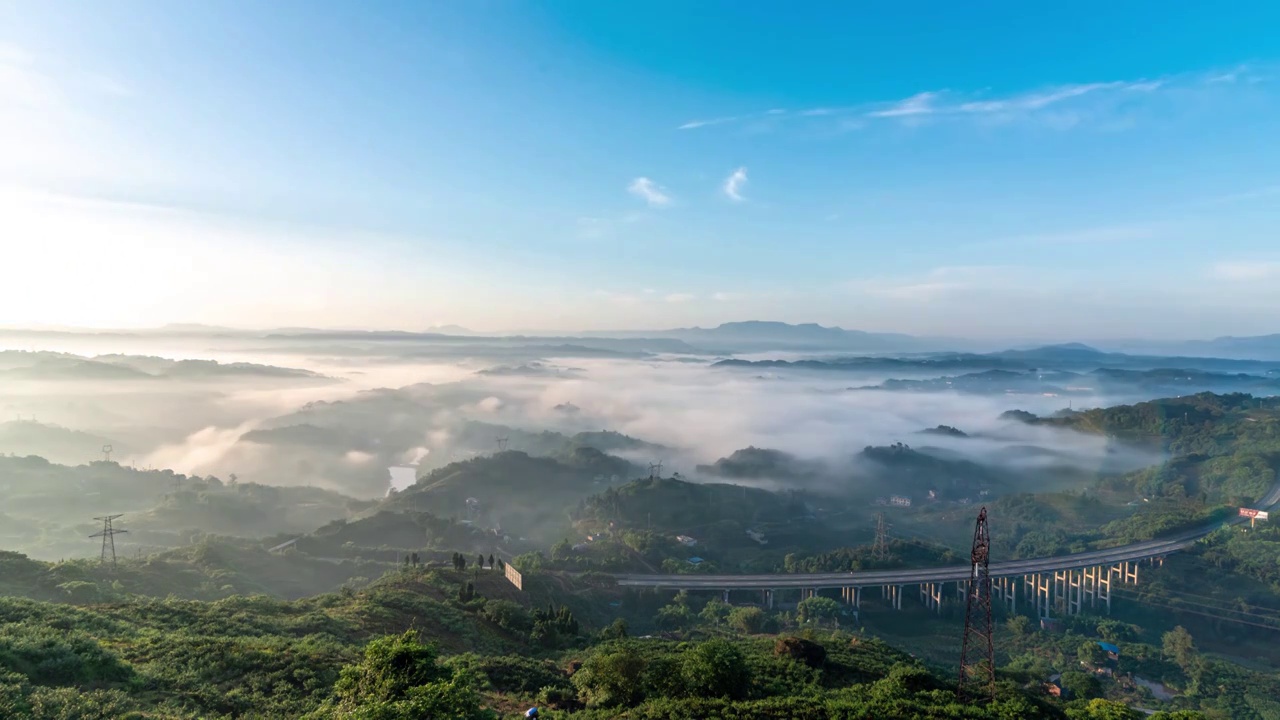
(1010, 568)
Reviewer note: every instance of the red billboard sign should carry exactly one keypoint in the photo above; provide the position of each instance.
(1253, 514)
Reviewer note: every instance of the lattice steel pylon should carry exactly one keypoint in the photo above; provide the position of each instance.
(108, 536)
(977, 653)
(881, 548)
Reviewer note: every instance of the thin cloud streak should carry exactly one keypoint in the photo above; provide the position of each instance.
(1243, 271)
(948, 103)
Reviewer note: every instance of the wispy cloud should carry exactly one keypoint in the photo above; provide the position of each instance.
(107, 85)
(1245, 271)
(733, 184)
(649, 191)
(680, 297)
(692, 124)
(1259, 193)
(918, 104)
(951, 104)
(934, 285)
(592, 228)
(22, 84)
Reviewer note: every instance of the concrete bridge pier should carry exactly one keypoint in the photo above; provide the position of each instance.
(1075, 592)
(893, 593)
(1006, 589)
(1103, 591)
(931, 596)
(1128, 572)
(1044, 588)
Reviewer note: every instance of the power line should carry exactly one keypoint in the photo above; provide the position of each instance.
(1146, 600)
(1209, 615)
(1223, 603)
(108, 536)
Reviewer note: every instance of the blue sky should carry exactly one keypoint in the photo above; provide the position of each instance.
(1090, 170)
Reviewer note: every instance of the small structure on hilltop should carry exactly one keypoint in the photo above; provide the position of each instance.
(686, 540)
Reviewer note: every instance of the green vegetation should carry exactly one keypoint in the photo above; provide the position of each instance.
(220, 627)
(524, 495)
(49, 508)
(408, 647)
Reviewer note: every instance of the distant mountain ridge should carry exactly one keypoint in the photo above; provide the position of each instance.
(725, 338)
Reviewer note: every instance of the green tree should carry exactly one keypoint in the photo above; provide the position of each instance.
(1081, 684)
(616, 630)
(715, 612)
(1100, 709)
(1178, 645)
(1091, 653)
(1018, 625)
(747, 620)
(611, 679)
(673, 617)
(717, 669)
(399, 678)
(818, 610)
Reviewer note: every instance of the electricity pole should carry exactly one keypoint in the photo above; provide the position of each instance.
(979, 679)
(108, 536)
(881, 549)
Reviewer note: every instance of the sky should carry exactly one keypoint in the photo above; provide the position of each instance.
(1078, 171)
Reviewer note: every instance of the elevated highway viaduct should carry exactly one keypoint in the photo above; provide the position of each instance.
(1066, 583)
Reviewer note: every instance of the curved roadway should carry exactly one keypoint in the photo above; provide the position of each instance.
(1110, 556)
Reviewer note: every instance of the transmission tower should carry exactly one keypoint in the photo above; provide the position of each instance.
(108, 536)
(502, 444)
(978, 678)
(881, 549)
(106, 453)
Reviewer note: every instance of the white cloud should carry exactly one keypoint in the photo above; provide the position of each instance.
(733, 184)
(1240, 271)
(649, 191)
(918, 104)
(693, 124)
(1077, 99)
(726, 296)
(680, 297)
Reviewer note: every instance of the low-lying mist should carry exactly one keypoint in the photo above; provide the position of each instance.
(371, 411)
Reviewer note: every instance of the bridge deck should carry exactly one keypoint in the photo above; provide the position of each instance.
(1110, 556)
